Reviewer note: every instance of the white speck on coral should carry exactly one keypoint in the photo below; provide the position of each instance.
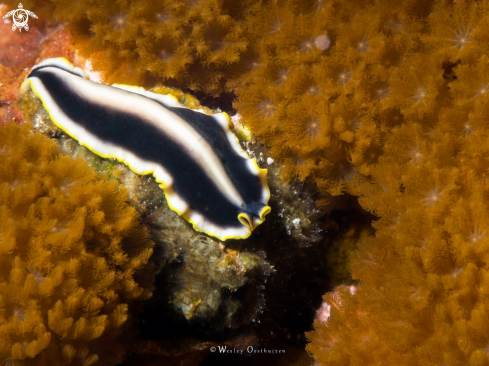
(370, 260)
(362, 46)
(236, 118)
(468, 129)
(119, 21)
(307, 45)
(416, 155)
(432, 197)
(162, 17)
(313, 128)
(356, 123)
(462, 37)
(37, 276)
(60, 227)
(353, 289)
(483, 90)
(165, 55)
(344, 77)
(9, 361)
(456, 271)
(322, 42)
(313, 90)
(318, 5)
(282, 75)
(19, 313)
(324, 312)
(275, 26)
(65, 186)
(394, 25)
(297, 223)
(417, 293)
(383, 93)
(95, 76)
(252, 62)
(269, 161)
(38, 121)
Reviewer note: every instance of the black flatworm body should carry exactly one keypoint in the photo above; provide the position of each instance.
(206, 175)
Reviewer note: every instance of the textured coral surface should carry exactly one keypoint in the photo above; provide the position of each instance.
(190, 42)
(73, 257)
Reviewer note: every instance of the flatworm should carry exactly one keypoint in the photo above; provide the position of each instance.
(207, 177)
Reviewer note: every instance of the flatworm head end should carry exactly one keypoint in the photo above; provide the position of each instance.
(254, 215)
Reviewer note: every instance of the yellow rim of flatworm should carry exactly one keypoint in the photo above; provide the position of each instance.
(230, 124)
(262, 174)
(166, 188)
(246, 220)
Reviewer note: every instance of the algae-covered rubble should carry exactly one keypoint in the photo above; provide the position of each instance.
(198, 269)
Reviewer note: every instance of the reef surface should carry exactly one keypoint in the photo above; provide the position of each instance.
(371, 117)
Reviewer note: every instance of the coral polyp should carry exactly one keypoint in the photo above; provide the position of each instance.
(432, 196)
(419, 95)
(344, 77)
(462, 37)
(313, 128)
(119, 21)
(266, 109)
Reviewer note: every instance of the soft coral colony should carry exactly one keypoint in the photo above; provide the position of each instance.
(423, 279)
(73, 257)
(190, 42)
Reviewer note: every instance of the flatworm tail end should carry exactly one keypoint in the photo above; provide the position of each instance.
(225, 122)
(262, 175)
(255, 213)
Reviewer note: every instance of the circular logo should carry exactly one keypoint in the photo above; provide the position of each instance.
(20, 17)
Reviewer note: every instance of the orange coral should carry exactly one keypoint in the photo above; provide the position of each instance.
(72, 256)
(346, 79)
(422, 276)
(422, 294)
